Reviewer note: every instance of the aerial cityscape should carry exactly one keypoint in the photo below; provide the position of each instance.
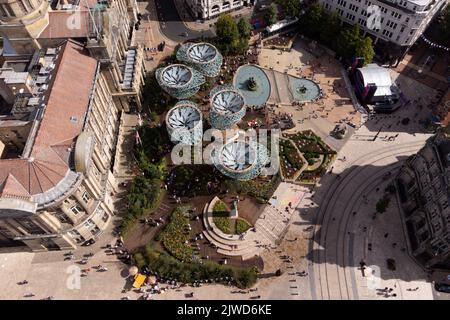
(225, 150)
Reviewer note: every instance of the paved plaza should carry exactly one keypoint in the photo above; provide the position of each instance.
(326, 233)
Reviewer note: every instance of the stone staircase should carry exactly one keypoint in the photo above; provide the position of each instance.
(269, 229)
(252, 243)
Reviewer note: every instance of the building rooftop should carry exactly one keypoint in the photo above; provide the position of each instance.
(379, 76)
(67, 24)
(47, 166)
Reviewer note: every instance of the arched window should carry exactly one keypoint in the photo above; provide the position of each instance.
(215, 9)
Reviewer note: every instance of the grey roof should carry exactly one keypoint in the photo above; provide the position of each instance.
(202, 52)
(227, 102)
(176, 75)
(237, 155)
(183, 117)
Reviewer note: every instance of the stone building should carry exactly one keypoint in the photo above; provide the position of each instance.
(423, 187)
(106, 27)
(396, 23)
(208, 9)
(57, 146)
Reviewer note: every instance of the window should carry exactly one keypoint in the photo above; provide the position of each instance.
(3, 12)
(76, 209)
(86, 197)
(30, 5)
(22, 6)
(89, 223)
(402, 29)
(396, 15)
(30, 226)
(407, 20)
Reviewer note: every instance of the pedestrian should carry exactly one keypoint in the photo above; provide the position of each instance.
(386, 235)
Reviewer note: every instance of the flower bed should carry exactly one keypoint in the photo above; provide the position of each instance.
(176, 234)
(241, 226)
(290, 160)
(260, 188)
(224, 223)
(312, 147)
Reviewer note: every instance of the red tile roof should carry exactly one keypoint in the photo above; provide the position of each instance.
(62, 122)
(66, 24)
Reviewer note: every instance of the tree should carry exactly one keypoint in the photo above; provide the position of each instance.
(347, 41)
(331, 29)
(364, 49)
(227, 34)
(271, 14)
(290, 7)
(244, 28)
(351, 44)
(312, 22)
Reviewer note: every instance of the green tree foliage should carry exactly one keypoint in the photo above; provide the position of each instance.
(155, 143)
(364, 49)
(144, 195)
(151, 170)
(347, 41)
(167, 266)
(312, 21)
(350, 43)
(270, 16)
(244, 28)
(227, 34)
(290, 7)
(331, 28)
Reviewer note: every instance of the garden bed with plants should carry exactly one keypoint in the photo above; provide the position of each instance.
(290, 159)
(261, 188)
(176, 235)
(315, 150)
(226, 224)
(165, 266)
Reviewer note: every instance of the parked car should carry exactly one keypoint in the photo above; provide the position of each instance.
(442, 287)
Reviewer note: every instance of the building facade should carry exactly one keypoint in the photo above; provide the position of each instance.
(208, 9)
(400, 22)
(57, 146)
(423, 189)
(107, 28)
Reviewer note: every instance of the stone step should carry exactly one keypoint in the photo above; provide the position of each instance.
(216, 243)
(244, 254)
(269, 234)
(241, 245)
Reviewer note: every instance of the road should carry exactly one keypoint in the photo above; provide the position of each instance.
(171, 24)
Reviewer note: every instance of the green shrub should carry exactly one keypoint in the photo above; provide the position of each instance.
(241, 226)
(176, 234)
(170, 268)
(144, 197)
(224, 224)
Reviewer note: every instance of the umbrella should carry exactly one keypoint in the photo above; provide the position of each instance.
(133, 271)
